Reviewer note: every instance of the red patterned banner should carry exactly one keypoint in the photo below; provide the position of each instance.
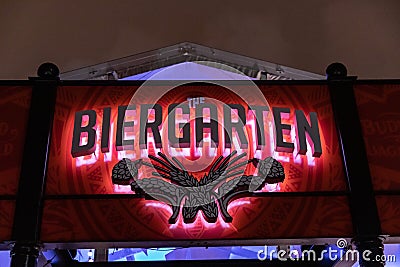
(95, 128)
(91, 174)
(389, 213)
(6, 219)
(14, 111)
(119, 220)
(379, 112)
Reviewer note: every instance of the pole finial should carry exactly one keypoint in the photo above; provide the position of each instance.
(48, 71)
(336, 70)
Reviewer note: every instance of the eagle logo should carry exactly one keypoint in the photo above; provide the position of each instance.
(173, 184)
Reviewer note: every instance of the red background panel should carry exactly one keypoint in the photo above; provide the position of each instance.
(389, 213)
(14, 112)
(142, 220)
(65, 177)
(379, 110)
(6, 219)
(132, 219)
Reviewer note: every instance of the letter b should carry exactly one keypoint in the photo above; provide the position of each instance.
(77, 149)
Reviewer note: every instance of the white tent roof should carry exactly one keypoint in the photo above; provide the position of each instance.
(144, 63)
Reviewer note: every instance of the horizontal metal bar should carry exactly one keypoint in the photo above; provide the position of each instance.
(197, 243)
(256, 194)
(138, 83)
(8, 197)
(387, 192)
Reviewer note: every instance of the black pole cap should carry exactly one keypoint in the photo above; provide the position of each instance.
(336, 70)
(48, 71)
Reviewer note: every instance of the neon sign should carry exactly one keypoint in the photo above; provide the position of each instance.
(90, 175)
(149, 120)
(232, 131)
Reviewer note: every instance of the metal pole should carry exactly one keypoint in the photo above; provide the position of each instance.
(363, 207)
(29, 203)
